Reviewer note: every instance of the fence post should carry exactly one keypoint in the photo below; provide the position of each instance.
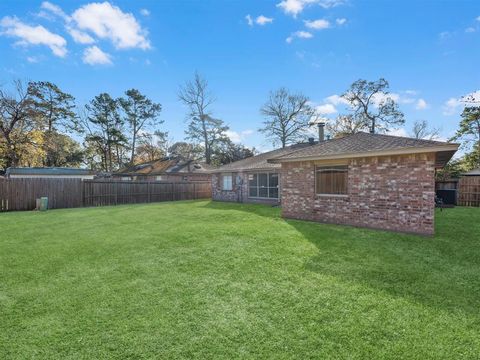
(148, 192)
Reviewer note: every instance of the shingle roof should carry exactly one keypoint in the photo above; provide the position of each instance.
(259, 162)
(165, 166)
(47, 171)
(362, 143)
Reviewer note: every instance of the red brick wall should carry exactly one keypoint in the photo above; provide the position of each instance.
(392, 192)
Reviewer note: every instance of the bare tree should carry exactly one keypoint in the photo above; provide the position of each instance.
(287, 117)
(371, 105)
(17, 118)
(344, 125)
(421, 130)
(202, 126)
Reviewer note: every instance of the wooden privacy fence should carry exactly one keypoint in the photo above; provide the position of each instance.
(21, 194)
(469, 191)
(99, 193)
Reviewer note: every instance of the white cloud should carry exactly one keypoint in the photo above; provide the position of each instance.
(33, 35)
(93, 55)
(80, 36)
(470, 29)
(238, 137)
(54, 9)
(336, 100)
(33, 59)
(300, 35)
(451, 106)
(107, 21)
(477, 18)
(317, 24)
(411, 92)
(249, 20)
(145, 12)
(263, 20)
(325, 109)
(295, 7)
(421, 104)
(341, 21)
(398, 132)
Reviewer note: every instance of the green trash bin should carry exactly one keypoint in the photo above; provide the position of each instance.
(43, 203)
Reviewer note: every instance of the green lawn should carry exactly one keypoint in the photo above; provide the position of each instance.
(214, 280)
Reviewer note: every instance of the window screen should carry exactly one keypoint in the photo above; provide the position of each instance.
(263, 185)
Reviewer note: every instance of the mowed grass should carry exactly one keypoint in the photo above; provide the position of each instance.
(214, 280)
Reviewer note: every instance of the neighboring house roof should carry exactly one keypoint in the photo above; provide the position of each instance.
(474, 172)
(260, 162)
(165, 166)
(366, 144)
(56, 171)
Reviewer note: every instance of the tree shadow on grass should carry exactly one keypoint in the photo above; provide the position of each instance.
(441, 271)
(438, 272)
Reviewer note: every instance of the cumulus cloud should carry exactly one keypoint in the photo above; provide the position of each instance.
(263, 20)
(80, 36)
(341, 21)
(33, 35)
(238, 137)
(145, 12)
(93, 55)
(421, 104)
(299, 34)
(249, 20)
(317, 24)
(54, 9)
(107, 21)
(295, 7)
(451, 106)
(325, 109)
(336, 100)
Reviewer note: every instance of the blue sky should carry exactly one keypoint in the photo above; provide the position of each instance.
(427, 50)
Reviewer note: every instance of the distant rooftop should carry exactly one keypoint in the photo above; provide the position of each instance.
(47, 171)
(474, 172)
(165, 166)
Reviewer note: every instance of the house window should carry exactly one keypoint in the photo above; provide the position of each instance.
(263, 185)
(160, 178)
(331, 180)
(227, 182)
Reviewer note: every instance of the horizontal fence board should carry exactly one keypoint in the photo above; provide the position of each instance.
(21, 194)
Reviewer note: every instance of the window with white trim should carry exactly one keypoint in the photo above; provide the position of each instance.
(227, 182)
(331, 180)
(263, 185)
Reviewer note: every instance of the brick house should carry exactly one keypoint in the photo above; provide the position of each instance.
(166, 169)
(368, 180)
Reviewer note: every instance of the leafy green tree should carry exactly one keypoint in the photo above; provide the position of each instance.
(287, 117)
(371, 105)
(141, 114)
(186, 151)
(469, 129)
(228, 152)
(104, 128)
(202, 127)
(152, 146)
